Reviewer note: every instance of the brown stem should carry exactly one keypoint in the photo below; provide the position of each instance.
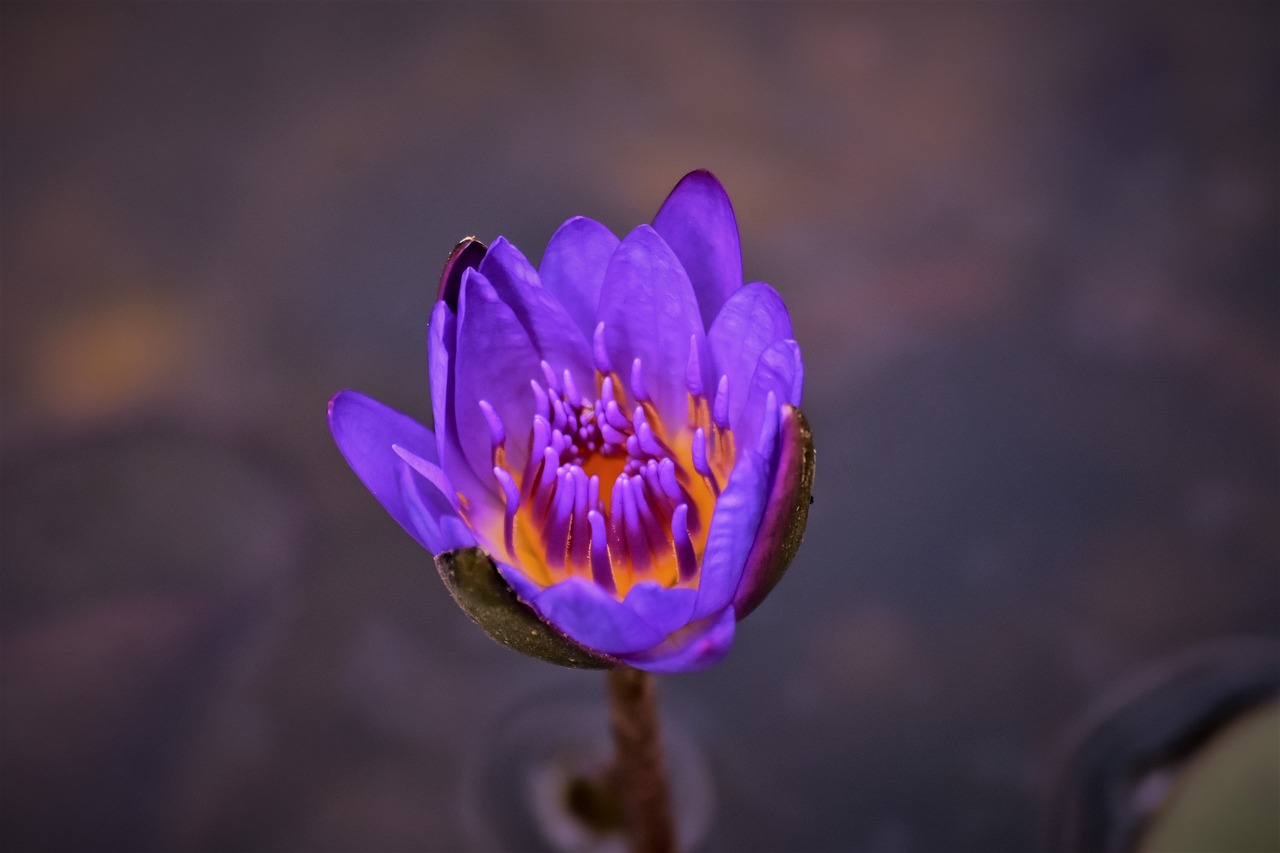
(642, 777)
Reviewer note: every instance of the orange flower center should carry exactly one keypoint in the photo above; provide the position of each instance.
(609, 492)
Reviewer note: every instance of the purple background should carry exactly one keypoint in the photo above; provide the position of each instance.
(1030, 252)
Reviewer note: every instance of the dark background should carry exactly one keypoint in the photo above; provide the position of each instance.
(1030, 251)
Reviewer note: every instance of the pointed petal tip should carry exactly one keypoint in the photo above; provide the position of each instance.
(651, 312)
(643, 231)
(573, 267)
(420, 497)
(701, 181)
(504, 254)
(576, 229)
(698, 222)
(701, 175)
(751, 320)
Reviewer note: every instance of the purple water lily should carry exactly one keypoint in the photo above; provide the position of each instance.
(617, 431)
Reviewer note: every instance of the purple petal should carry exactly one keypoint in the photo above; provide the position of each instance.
(495, 361)
(733, 529)
(586, 613)
(525, 588)
(650, 313)
(763, 568)
(442, 336)
(429, 471)
(750, 320)
(433, 517)
(665, 608)
(441, 356)
(366, 432)
(697, 222)
(780, 370)
(556, 337)
(573, 268)
(697, 646)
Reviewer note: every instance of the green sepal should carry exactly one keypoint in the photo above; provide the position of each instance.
(782, 527)
(473, 581)
(801, 434)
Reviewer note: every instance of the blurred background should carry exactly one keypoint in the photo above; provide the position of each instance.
(1030, 251)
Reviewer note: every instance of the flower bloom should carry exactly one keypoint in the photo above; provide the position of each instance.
(616, 435)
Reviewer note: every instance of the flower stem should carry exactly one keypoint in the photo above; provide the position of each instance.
(641, 775)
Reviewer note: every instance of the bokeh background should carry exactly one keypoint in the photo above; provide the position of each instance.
(1030, 251)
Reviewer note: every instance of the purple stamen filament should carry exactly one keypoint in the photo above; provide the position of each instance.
(607, 497)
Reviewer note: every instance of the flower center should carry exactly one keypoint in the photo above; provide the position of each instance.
(610, 492)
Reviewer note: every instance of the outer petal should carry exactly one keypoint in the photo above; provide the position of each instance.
(438, 526)
(588, 615)
(573, 268)
(555, 335)
(442, 355)
(429, 471)
(697, 646)
(495, 361)
(442, 339)
(786, 512)
(650, 313)
(779, 371)
(753, 318)
(697, 222)
(366, 431)
(733, 529)
(665, 608)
